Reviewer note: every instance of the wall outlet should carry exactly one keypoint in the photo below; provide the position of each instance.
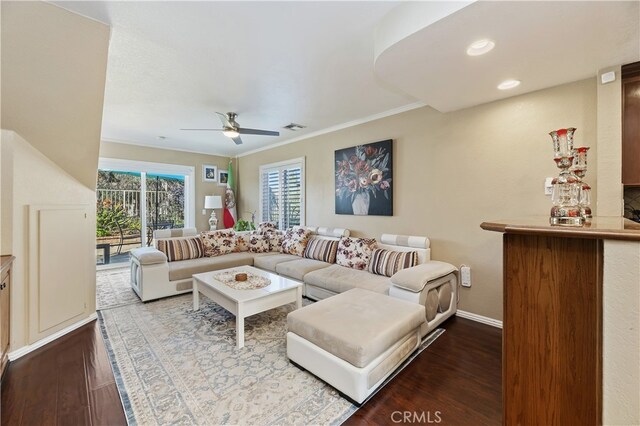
(465, 276)
(204, 212)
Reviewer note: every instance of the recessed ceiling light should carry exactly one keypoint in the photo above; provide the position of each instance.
(480, 47)
(508, 84)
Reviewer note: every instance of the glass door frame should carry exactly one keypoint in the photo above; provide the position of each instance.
(145, 168)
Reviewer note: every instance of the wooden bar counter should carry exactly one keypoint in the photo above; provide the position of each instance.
(555, 330)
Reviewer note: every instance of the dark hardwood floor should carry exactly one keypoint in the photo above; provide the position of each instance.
(456, 381)
(67, 382)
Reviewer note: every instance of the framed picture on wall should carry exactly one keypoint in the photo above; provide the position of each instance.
(223, 177)
(209, 173)
(364, 179)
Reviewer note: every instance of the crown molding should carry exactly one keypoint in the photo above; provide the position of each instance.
(337, 127)
(109, 140)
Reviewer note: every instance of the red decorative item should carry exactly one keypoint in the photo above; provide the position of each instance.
(570, 196)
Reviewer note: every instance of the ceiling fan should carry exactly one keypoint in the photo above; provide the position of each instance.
(231, 128)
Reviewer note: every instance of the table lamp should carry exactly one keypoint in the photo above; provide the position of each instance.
(213, 202)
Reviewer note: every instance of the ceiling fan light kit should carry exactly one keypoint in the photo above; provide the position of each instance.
(231, 128)
(230, 133)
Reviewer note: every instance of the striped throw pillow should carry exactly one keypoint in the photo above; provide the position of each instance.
(387, 262)
(321, 249)
(181, 249)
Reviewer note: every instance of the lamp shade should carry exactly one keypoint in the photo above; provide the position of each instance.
(212, 202)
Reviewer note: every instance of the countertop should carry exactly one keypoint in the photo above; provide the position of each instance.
(601, 227)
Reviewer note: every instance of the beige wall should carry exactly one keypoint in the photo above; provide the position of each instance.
(451, 172)
(53, 76)
(140, 153)
(610, 199)
(54, 66)
(36, 180)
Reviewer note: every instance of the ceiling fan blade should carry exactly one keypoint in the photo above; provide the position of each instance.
(224, 119)
(208, 130)
(245, 131)
(237, 140)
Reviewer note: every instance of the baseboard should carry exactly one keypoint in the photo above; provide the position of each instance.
(479, 318)
(13, 355)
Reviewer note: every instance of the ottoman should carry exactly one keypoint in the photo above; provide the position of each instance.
(354, 340)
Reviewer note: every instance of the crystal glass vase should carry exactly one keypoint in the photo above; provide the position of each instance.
(569, 197)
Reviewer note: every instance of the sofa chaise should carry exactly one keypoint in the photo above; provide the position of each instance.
(431, 284)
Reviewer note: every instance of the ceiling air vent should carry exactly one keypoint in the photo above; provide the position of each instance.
(294, 127)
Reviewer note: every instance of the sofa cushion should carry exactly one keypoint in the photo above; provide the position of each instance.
(376, 322)
(269, 262)
(186, 268)
(295, 240)
(339, 279)
(178, 249)
(217, 243)
(321, 249)
(355, 252)
(416, 278)
(258, 243)
(148, 255)
(387, 262)
(297, 269)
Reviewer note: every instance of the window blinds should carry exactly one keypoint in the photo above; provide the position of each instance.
(282, 194)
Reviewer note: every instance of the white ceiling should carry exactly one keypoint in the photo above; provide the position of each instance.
(173, 64)
(542, 44)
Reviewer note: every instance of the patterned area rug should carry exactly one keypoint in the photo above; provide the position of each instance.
(113, 289)
(176, 366)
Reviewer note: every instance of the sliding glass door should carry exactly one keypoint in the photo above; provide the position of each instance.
(136, 198)
(165, 201)
(118, 220)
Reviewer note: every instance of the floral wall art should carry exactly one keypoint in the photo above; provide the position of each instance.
(364, 179)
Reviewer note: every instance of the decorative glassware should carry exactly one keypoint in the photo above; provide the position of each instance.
(570, 196)
(585, 203)
(579, 167)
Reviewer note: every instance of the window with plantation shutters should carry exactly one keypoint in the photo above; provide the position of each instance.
(282, 193)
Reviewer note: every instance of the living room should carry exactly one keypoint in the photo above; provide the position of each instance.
(108, 88)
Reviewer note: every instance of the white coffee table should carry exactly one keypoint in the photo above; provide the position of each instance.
(244, 303)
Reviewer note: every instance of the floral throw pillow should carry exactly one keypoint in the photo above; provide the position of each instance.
(258, 243)
(275, 242)
(295, 240)
(217, 243)
(242, 242)
(265, 228)
(355, 252)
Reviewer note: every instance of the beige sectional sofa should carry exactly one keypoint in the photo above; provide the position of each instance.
(431, 284)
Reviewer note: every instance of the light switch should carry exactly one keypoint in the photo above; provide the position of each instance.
(548, 186)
